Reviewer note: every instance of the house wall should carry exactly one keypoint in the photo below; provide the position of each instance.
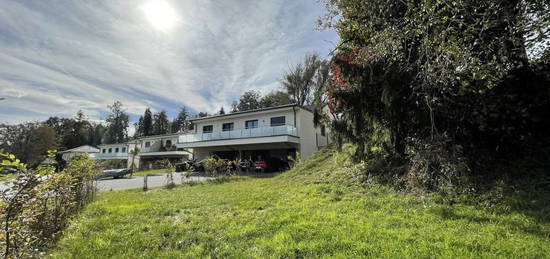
(113, 148)
(307, 132)
(264, 120)
(156, 143)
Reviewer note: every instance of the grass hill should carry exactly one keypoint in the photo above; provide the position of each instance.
(318, 209)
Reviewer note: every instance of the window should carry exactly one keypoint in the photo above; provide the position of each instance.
(278, 121)
(104, 150)
(123, 150)
(207, 129)
(116, 150)
(323, 130)
(227, 126)
(251, 124)
(147, 144)
(168, 143)
(110, 150)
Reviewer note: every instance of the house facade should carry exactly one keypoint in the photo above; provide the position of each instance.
(86, 149)
(151, 149)
(275, 132)
(278, 132)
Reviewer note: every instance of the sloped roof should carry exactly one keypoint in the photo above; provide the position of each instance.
(82, 149)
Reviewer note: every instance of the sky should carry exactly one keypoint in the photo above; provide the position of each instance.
(61, 56)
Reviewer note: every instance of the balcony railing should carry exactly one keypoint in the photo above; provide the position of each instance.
(109, 155)
(240, 133)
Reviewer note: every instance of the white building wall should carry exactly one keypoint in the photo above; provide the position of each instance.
(264, 120)
(307, 133)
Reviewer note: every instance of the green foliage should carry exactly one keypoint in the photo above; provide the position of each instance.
(117, 124)
(39, 203)
(28, 141)
(276, 98)
(435, 75)
(249, 100)
(316, 210)
(301, 81)
(161, 124)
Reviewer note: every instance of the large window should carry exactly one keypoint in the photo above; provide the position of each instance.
(110, 150)
(227, 126)
(104, 150)
(207, 129)
(251, 124)
(278, 121)
(123, 150)
(116, 150)
(147, 144)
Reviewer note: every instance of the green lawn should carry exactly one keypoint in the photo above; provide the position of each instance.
(316, 210)
(154, 171)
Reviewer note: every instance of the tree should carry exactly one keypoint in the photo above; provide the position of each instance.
(181, 122)
(96, 133)
(276, 98)
(117, 124)
(147, 123)
(423, 69)
(234, 107)
(249, 100)
(28, 141)
(299, 80)
(134, 152)
(202, 114)
(222, 111)
(138, 126)
(161, 124)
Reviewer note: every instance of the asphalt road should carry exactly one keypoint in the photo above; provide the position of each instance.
(111, 184)
(137, 182)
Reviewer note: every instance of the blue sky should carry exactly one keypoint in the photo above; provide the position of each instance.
(60, 56)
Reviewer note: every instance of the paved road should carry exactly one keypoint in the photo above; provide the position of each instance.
(137, 182)
(134, 182)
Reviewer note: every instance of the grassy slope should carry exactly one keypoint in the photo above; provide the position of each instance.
(312, 211)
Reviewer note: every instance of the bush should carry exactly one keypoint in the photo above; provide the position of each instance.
(40, 203)
(434, 166)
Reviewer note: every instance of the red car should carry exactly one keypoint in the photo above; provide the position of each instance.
(260, 166)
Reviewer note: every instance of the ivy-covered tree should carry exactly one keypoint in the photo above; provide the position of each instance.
(458, 69)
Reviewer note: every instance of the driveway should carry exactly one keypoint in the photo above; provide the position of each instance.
(110, 184)
(159, 180)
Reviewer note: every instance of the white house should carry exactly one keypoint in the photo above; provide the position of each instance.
(280, 132)
(70, 153)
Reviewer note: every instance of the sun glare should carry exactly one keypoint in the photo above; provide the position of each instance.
(160, 14)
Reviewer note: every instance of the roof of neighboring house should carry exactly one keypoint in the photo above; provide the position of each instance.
(251, 111)
(82, 149)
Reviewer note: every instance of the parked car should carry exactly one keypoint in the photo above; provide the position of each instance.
(115, 173)
(260, 166)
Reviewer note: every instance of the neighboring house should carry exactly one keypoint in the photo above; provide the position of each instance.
(68, 154)
(160, 147)
(152, 148)
(279, 132)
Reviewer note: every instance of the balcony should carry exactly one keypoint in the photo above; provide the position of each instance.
(109, 156)
(240, 134)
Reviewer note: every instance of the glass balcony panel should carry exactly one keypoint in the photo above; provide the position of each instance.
(241, 133)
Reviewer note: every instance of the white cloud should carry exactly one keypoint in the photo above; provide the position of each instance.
(57, 59)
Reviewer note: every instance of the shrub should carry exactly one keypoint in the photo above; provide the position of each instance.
(40, 203)
(434, 166)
